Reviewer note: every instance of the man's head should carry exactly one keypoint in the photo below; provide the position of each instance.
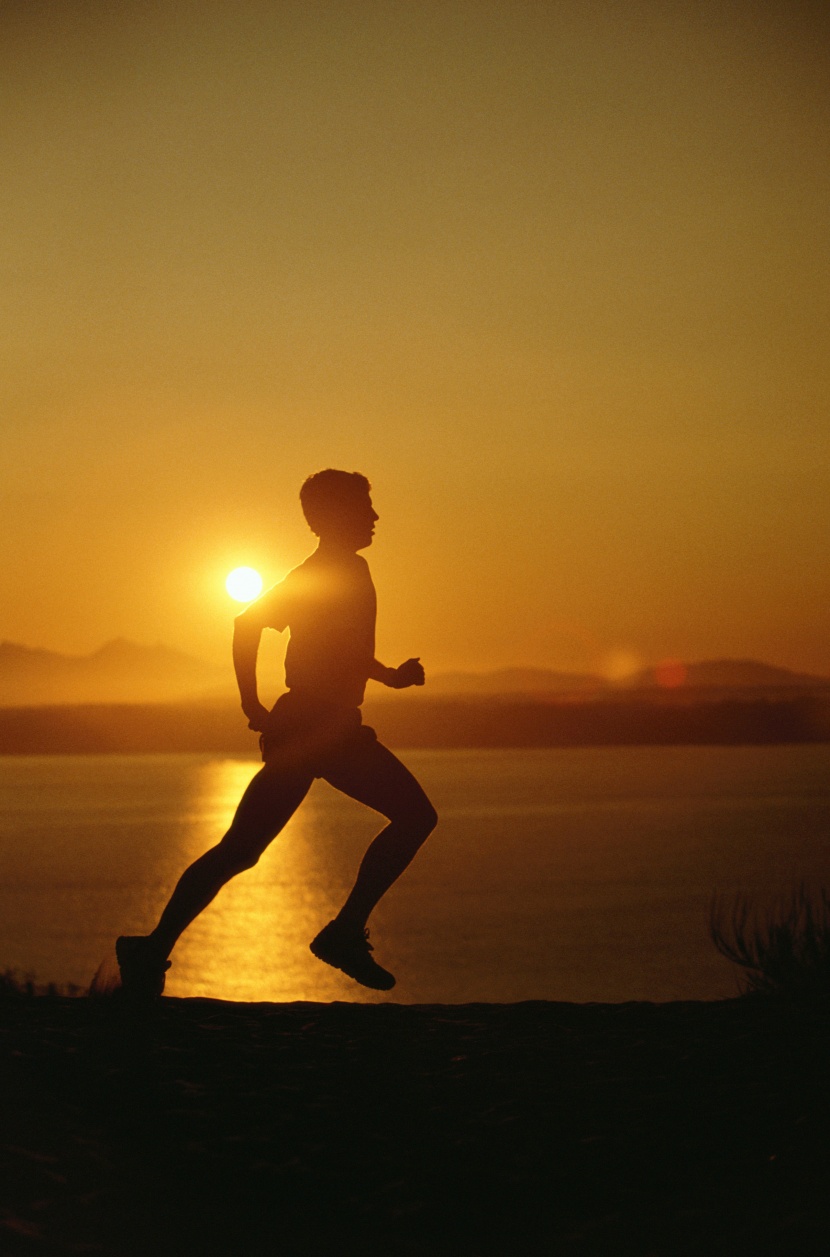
(338, 507)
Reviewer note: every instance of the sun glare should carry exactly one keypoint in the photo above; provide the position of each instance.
(244, 584)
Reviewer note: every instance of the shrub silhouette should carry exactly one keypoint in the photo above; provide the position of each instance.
(786, 954)
(13, 986)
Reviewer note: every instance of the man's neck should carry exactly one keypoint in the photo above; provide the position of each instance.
(332, 548)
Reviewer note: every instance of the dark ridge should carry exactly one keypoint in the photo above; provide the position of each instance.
(421, 722)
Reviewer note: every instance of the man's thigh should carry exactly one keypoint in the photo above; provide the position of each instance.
(270, 800)
(371, 774)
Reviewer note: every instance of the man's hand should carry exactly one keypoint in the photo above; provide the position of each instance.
(409, 673)
(257, 716)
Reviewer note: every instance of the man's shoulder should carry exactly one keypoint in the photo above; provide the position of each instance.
(297, 572)
(270, 606)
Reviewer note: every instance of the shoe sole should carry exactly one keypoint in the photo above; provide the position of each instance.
(383, 985)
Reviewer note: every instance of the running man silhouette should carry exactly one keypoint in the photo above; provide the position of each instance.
(328, 605)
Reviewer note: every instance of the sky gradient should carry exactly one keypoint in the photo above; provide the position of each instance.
(554, 276)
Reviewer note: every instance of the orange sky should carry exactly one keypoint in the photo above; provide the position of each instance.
(554, 276)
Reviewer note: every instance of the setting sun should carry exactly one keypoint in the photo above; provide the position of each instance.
(244, 584)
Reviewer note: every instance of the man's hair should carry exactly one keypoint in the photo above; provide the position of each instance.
(325, 494)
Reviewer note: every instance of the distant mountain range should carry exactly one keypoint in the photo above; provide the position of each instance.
(120, 672)
(712, 675)
(715, 674)
(514, 681)
(124, 672)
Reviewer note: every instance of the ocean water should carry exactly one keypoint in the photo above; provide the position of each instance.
(562, 874)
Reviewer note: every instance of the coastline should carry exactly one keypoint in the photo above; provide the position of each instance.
(203, 1126)
(436, 723)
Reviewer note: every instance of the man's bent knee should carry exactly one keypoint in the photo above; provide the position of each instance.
(419, 819)
(235, 856)
(429, 819)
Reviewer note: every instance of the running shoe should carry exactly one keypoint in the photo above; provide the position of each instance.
(142, 972)
(349, 951)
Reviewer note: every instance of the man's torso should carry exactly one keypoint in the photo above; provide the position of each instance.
(328, 604)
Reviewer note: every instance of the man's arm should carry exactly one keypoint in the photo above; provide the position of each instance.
(409, 673)
(247, 630)
(270, 610)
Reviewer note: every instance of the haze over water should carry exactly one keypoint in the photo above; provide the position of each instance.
(577, 874)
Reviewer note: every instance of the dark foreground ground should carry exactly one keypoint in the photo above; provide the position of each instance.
(214, 1128)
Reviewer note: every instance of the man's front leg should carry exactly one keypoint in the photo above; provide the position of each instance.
(377, 778)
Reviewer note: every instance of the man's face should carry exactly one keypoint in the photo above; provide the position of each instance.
(354, 524)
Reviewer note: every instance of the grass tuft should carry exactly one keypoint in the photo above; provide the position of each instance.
(15, 986)
(785, 954)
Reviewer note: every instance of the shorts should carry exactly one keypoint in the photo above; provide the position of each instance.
(311, 735)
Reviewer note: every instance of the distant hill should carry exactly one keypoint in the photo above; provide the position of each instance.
(730, 674)
(120, 672)
(712, 675)
(515, 681)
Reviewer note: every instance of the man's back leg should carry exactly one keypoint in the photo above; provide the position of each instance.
(268, 803)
